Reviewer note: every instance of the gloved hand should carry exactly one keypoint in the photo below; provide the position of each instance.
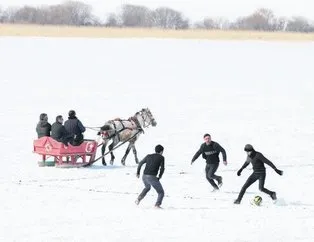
(279, 172)
(239, 172)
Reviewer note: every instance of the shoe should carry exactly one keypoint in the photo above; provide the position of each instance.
(219, 181)
(237, 201)
(273, 196)
(137, 201)
(158, 207)
(215, 190)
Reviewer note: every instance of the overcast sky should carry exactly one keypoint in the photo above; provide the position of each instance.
(195, 9)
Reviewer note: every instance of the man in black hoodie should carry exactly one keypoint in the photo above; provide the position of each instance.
(75, 129)
(154, 163)
(43, 128)
(259, 172)
(210, 152)
(58, 131)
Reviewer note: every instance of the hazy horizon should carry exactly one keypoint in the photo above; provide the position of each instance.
(197, 9)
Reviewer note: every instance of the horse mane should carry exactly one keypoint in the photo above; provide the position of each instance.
(105, 127)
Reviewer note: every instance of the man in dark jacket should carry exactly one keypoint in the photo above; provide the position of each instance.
(257, 160)
(43, 128)
(154, 163)
(75, 128)
(210, 152)
(58, 131)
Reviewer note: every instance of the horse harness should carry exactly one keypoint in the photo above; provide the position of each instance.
(104, 129)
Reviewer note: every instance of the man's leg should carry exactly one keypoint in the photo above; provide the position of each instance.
(263, 189)
(252, 178)
(159, 189)
(213, 169)
(210, 170)
(145, 190)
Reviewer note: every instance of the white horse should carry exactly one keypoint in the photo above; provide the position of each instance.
(119, 130)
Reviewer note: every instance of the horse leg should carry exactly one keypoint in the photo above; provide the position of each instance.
(126, 154)
(134, 152)
(103, 149)
(111, 153)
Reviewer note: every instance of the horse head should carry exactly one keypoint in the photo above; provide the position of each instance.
(146, 118)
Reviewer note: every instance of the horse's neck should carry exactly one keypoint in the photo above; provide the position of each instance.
(139, 121)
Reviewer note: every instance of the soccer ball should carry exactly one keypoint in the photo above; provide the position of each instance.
(257, 200)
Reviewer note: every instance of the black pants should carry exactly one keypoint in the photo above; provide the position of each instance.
(261, 176)
(210, 170)
(77, 140)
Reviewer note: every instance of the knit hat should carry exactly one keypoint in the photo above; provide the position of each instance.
(72, 113)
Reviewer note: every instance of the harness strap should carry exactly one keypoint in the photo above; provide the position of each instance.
(137, 123)
(117, 132)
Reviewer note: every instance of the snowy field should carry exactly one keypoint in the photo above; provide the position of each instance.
(239, 92)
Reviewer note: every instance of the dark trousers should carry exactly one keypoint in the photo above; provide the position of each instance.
(65, 140)
(210, 170)
(152, 181)
(77, 140)
(261, 176)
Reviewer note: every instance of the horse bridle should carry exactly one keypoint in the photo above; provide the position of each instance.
(147, 119)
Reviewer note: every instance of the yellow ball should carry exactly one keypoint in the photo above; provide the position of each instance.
(257, 200)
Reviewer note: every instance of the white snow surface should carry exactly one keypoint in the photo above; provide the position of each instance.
(238, 91)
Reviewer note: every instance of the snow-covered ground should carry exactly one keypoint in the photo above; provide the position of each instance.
(239, 92)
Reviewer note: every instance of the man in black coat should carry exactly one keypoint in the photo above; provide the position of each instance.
(75, 128)
(257, 160)
(154, 163)
(210, 151)
(58, 131)
(43, 128)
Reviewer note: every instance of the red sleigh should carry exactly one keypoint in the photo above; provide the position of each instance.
(65, 156)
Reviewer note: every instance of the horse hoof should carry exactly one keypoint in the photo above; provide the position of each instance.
(111, 162)
(104, 163)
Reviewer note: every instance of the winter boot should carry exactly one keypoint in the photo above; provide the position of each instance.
(219, 179)
(273, 196)
(237, 201)
(215, 190)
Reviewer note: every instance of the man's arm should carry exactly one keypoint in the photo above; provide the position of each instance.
(81, 126)
(268, 162)
(140, 165)
(162, 168)
(223, 152)
(246, 163)
(197, 154)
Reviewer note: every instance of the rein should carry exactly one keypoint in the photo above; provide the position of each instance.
(93, 128)
(90, 163)
(146, 123)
